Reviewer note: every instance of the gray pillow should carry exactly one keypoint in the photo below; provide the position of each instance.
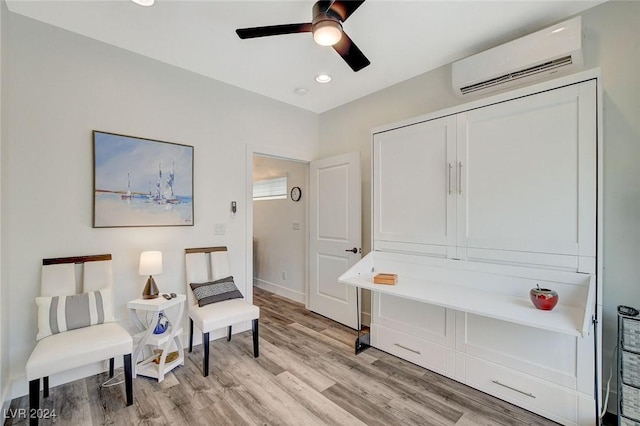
(57, 314)
(215, 291)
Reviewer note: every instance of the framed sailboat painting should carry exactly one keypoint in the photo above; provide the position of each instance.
(141, 182)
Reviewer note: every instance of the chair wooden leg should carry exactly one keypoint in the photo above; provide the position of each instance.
(111, 366)
(128, 378)
(190, 335)
(256, 351)
(34, 403)
(229, 334)
(45, 387)
(205, 361)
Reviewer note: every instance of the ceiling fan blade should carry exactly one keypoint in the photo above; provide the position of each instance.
(273, 30)
(350, 53)
(344, 8)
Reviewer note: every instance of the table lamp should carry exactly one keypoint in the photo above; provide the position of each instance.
(150, 264)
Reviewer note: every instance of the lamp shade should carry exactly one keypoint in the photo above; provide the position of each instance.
(150, 263)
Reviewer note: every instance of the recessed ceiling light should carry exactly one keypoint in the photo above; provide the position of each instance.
(323, 78)
(144, 2)
(301, 91)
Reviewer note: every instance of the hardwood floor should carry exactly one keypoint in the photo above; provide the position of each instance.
(306, 374)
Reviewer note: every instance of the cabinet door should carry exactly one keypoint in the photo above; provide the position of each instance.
(414, 181)
(528, 182)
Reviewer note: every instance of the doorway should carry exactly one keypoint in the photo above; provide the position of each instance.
(279, 226)
(330, 205)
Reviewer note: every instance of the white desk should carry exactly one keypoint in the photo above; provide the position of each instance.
(495, 291)
(147, 367)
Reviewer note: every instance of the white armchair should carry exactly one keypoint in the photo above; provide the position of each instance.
(220, 314)
(76, 329)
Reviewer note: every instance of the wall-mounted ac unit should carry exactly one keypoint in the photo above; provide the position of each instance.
(532, 57)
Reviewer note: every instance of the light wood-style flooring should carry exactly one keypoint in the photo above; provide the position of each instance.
(307, 374)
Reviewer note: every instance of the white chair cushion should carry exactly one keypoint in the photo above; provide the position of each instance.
(222, 314)
(219, 264)
(76, 348)
(58, 280)
(197, 272)
(97, 275)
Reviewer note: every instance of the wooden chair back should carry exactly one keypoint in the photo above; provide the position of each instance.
(205, 264)
(60, 275)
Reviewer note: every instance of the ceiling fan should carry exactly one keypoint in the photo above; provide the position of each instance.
(326, 26)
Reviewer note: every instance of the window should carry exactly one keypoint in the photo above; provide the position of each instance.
(270, 189)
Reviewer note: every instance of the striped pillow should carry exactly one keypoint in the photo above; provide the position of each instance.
(63, 313)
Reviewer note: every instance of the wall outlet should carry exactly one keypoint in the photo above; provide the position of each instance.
(284, 275)
(219, 229)
(296, 226)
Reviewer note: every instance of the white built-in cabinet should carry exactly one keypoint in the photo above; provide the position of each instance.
(512, 182)
(506, 190)
(528, 191)
(414, 188)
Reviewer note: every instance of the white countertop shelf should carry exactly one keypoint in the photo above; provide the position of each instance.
(495, 291)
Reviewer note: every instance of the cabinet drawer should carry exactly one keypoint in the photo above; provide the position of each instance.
(415, 350)
(525, 391)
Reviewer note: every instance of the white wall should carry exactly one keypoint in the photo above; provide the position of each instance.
(4, 301)
(612, 42)
(60, 87)
(278, 248)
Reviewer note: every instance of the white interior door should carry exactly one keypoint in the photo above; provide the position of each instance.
(335, 233)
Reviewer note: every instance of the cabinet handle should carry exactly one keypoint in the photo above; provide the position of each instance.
(407, 349)
(450, 167)
(529, 394)
(459, 177)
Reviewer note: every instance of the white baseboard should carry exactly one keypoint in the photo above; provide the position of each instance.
(20, 386)
(296, 296)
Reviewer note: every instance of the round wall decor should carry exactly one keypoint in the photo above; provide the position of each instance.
(296, 193)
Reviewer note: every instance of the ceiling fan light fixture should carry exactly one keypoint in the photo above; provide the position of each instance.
(327, 32)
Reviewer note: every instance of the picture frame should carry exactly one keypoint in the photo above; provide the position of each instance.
(140, 182)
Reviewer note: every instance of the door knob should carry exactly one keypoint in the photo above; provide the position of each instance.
(353, 250)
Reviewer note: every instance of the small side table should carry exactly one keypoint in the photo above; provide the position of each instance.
(147, 367)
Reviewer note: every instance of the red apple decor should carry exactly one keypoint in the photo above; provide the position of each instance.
(543, 298)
